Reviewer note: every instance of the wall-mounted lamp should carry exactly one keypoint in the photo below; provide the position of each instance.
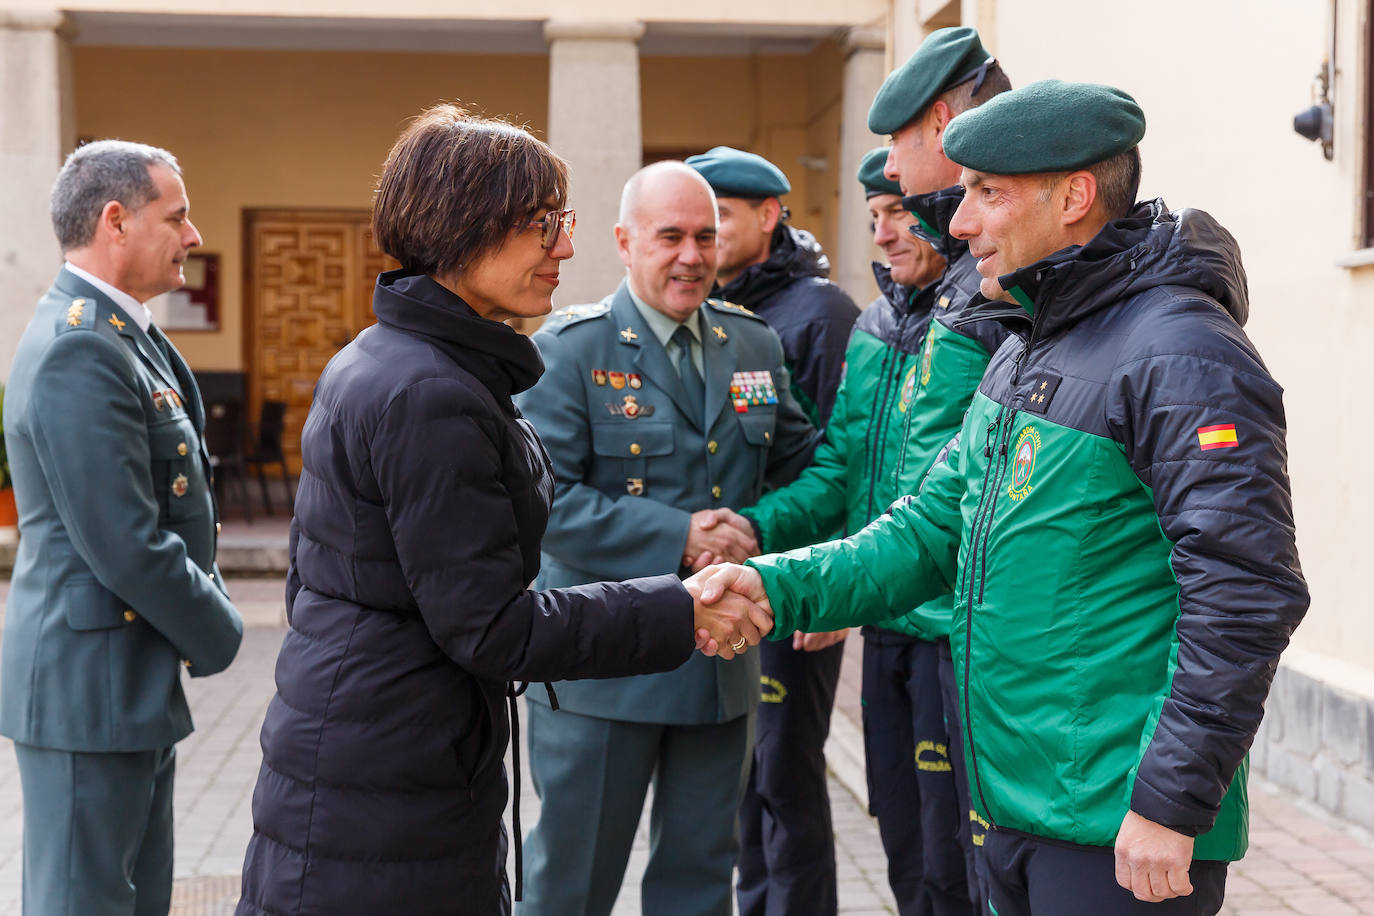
(1317, 122)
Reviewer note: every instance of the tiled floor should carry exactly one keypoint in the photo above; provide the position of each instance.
(1302, 861)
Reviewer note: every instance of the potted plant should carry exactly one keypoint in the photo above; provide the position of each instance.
(9, 517)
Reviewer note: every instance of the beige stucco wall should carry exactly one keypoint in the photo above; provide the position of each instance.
(1220, 83)
(260, 129)
(310, 129)
(764, 103)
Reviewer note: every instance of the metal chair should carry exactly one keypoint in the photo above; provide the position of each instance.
(268, 450)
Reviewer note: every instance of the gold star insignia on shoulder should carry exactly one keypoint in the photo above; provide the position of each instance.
(75, 312)
(720, 331)
(118, 325)
(568, 312)
(628, 334)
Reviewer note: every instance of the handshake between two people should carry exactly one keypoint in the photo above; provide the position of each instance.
(732, 609)
(727, 621)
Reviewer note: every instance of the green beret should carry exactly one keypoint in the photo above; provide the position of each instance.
(734, 173)
(945, 59)
(871, 174)
(1049, 126)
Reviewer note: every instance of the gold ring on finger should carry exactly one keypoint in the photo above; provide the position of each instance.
(739, 646)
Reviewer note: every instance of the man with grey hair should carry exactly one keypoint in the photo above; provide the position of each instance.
(114, 585)
(658, 410)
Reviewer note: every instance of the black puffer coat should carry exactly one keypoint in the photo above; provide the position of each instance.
(811, 315)
(423, 499)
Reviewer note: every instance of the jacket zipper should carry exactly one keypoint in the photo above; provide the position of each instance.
(982, 528)
(877, 424)
(920, 354)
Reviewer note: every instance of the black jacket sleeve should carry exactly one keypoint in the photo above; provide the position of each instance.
(437, 459)
(1228, 512)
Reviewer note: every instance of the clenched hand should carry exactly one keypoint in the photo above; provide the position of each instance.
(718, 536)
(1151, 860)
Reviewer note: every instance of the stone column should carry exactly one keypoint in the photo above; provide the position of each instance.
(594, 123)
(36, 128)
(864, 70)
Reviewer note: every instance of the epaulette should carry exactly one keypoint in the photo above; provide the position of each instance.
(570, 315)
(81, 313)
(721, 305)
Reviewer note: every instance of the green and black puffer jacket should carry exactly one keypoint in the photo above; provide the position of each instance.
(1117, 525)
(911, 367)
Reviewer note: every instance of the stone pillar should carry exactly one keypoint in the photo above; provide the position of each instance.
(864, 71)
(36, 129)
(594, 123)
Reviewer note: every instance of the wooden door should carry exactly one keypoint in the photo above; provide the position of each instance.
(308, 285)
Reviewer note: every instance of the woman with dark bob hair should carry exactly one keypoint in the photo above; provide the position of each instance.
(423, 497)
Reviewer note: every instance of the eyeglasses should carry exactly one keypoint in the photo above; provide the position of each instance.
(555, 221)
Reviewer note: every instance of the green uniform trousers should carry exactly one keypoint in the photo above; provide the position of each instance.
(97, 831)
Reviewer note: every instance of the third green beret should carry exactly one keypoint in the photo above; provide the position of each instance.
(945, 59)
(1049, 126)
(734, 173)
(871, 174)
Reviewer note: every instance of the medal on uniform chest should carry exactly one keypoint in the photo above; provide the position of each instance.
(630, 408)
(157, 400)
(752, 389)
(635, 381)
(179, 485)
(599, 376)
(617, 380)
(634, 486)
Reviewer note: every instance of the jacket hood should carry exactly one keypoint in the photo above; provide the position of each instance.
(793, 254)
(1152, 247)
(934, 212)
(897, 295)
(505, 360)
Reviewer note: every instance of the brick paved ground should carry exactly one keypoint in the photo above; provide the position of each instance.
(1302, 861)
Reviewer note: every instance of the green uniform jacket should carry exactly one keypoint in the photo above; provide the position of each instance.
(1117, 526)
(114, 583)
(910, 370)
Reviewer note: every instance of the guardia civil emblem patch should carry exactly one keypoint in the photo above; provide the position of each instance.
(1023, 464)
(908, 390)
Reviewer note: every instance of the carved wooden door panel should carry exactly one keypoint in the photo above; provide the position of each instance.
(309, 283)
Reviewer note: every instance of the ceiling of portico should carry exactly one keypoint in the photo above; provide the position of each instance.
(436, 35)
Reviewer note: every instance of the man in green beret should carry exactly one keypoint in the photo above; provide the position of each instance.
(1115, 519)
(919, 788)
(779, 272)
(787, 842)
(860, 469)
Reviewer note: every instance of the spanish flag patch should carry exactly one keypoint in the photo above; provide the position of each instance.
(1223, 436)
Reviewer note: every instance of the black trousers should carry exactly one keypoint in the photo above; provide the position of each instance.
(787, 843)
(911, 785)
(1028, 876)
(972, 828)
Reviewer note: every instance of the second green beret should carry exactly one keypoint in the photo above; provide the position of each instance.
(1049, 126)
(734, 173)
(945, 59)
(871, 174)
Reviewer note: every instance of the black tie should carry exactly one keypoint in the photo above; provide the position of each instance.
(687, 371)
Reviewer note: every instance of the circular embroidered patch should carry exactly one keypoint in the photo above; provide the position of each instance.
(1023, 465)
